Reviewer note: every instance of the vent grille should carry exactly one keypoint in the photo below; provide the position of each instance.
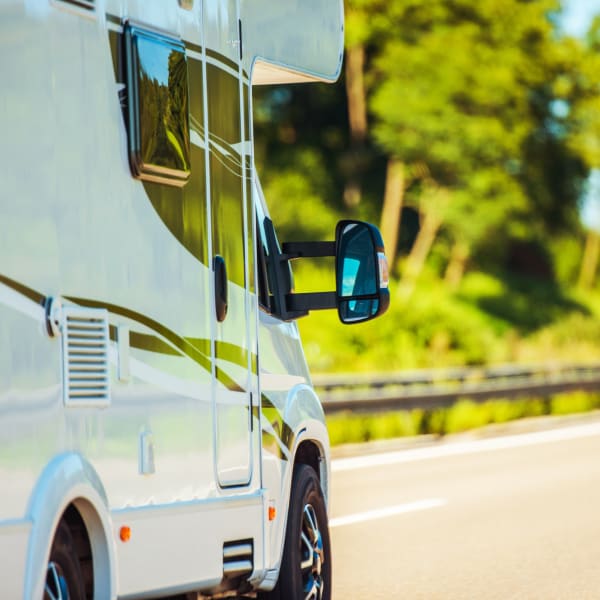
(85, 356)
(238, 558)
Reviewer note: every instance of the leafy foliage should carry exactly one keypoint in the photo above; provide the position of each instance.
(495, 117)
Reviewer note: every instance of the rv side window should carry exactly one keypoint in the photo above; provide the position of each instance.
(158, 119)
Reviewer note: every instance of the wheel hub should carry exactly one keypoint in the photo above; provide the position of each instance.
(56, 584)
(312, 555)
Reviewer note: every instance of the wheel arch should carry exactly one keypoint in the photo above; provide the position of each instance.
(305, 417)
(312, 449)
(69, 483)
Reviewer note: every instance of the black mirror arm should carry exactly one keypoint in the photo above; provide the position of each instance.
(292, 250)
(299, 305)
(286, 304)
(303, 303)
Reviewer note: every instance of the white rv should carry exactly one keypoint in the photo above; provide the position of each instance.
(159, 434)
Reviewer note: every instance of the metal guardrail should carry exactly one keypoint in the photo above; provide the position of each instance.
(435, 388)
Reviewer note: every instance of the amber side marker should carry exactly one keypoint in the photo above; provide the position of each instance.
(125, 533)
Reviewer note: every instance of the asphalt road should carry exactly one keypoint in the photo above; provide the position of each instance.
(511, 517)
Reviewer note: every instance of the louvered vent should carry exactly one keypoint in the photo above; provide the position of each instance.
(238, 558)
(85, 356)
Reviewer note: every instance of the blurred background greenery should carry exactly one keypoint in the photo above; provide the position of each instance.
(469, 131)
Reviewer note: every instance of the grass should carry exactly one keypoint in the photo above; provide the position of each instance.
(465, 415)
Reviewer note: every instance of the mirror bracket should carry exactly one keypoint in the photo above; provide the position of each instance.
(305, 302)
(357, 244)
(293, 250)
(296, 305)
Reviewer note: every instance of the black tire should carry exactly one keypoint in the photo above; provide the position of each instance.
(306, 564)
(64, 580)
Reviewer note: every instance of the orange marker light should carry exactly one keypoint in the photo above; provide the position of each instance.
(125, 533)
(272, 513)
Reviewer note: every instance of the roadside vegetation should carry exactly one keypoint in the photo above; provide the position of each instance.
(486, 320)
(468, 131)
(348, 428)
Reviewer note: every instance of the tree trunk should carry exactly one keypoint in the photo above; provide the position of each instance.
(352, 193)
(420, 250)
(457, 265)
(357, 116)
(391, 212)
(589, 262)
(433, 208)
(355, 91)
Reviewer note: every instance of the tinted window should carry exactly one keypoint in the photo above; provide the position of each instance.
(158, 119)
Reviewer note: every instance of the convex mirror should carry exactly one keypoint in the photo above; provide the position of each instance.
(362, 277)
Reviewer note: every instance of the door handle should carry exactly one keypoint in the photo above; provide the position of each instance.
(221, 297)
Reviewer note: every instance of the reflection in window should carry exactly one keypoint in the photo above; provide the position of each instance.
(157, 81)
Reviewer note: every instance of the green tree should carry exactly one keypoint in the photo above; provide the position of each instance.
(578, 92)
(476, 114)
(457, 89)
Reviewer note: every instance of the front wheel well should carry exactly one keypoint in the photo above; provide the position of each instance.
(83, 548)
(309, 454)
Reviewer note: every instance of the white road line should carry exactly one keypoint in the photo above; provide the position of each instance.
(472, 447)
(390, 511)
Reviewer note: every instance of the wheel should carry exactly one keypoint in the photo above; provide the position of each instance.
(306, 565)
(64, 580)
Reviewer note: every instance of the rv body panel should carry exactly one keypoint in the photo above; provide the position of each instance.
(188, 438)
(187, 540)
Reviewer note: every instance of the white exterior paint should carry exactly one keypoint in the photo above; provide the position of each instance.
(76, 227)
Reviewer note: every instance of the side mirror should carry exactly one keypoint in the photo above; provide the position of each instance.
(362, 277)
(361, 271)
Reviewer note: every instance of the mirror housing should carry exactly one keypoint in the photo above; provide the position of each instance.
(361, 275)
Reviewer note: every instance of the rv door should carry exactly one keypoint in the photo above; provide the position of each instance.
(234, 337)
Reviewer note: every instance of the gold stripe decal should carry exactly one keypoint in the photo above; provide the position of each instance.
(147, 343)
(23, 289)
